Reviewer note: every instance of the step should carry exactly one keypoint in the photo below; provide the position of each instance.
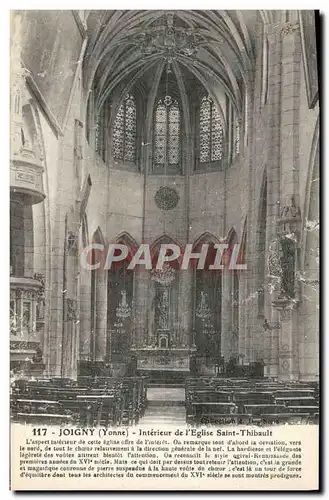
(166, 386)
(161, 404)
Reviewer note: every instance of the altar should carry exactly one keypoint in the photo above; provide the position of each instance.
(161, 359)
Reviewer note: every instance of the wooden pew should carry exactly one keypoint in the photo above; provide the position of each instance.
(44, 418)
(39, 411)
(264, 401)
(214, 418)
(295, 401)
(202, 409)
(242, 399)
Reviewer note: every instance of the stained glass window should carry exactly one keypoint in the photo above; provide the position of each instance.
(124, 132)
(237, 137)
(98, 134)
(211, 132)
(167, 132)
(160, 133)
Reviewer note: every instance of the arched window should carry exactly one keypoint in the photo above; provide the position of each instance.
(167, 133)
(124, 132)
(99, 135)
(211, 132)
(237, 137)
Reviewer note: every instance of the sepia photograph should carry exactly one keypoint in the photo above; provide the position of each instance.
(164, 240)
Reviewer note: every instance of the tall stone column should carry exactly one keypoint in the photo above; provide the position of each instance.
(268, 343)
(290, 219)
(69, 355)
(101, 315)
(309, 319)
(242, 340)
(71, 313)
(85, 312)
(185, 308)
(310, 343)
(141, 294)
(227, 313)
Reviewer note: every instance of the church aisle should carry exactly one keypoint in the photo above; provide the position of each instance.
(166, 406)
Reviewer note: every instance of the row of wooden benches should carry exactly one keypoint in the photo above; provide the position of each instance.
(220, 401)
(89, 402)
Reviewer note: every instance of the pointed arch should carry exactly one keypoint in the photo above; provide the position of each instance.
(125, 238)
(163, 239)
(207, 302)
(204, 238)
(98, 237)
(120, 300)
(232, 237)
(164, 295)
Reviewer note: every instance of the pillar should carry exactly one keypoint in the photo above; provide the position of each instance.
(101, 315)
(227, 312)
(85, 311)
(268, 340)
(290, 220)
(141, 297)
(185, 308)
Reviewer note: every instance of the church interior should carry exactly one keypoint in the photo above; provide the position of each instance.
(164, 127)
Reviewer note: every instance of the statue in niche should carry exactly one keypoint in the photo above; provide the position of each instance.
(41, 299)
(203, 312)
(290, 211)
(71, 309)
(287, 262)
(274, 265)
(163, 310)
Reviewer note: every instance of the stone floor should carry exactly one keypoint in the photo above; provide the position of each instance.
(166, 406)
(171, 394)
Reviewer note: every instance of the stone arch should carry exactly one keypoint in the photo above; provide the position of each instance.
(122, 293)
(206, 237)
(163, 239)
(232, 237)
(98, 236)
(125, 238)
(163, 297)
(207, 305)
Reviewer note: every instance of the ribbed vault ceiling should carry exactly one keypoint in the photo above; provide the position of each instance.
(127, 48)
